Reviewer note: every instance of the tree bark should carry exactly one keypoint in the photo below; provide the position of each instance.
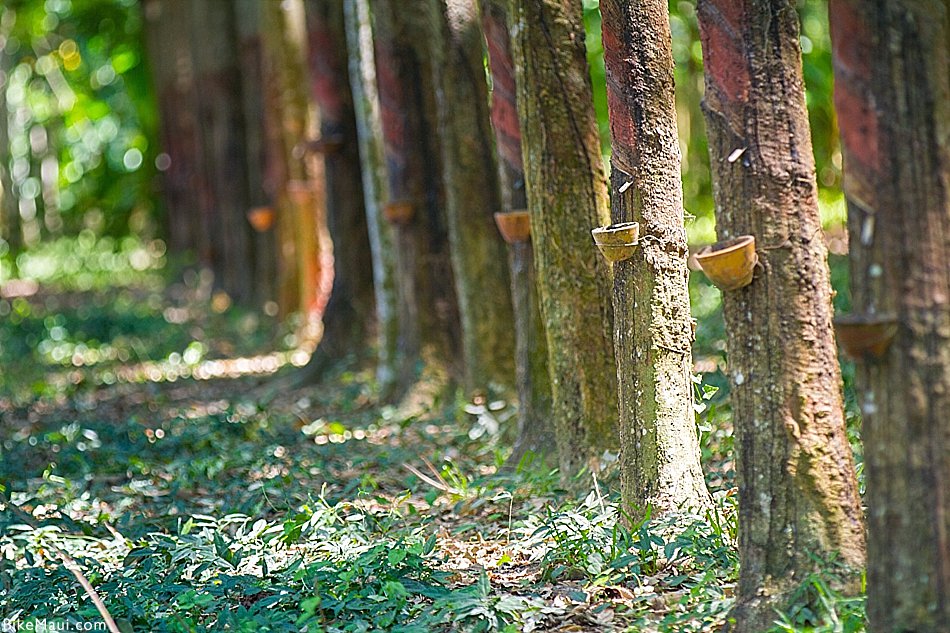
(428, 308)
(304, 202)
(535, 430)
(169, 49)
(220, 127)
(567, 196)
(251, 60)
(362, 71)
(347, 314)
(892, 94)
(471, 193)
(797, 488)
(659, 446)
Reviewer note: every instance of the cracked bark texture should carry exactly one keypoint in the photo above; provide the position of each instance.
(362, 70)
(535, 432)
(471, 193)
(659, 446)
(567, 196)
(892, 94)
(798, 495)
(427, 303)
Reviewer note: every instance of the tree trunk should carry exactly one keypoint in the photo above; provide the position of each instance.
(170, 60)
(304, 206)
(346, 318)
(567, 196)
(535, 430)
(220, 126)
(428, 308)
(362, 70)
(894, 114)
(471, 192)
(797, 488)
(258, 195)
(659, 447)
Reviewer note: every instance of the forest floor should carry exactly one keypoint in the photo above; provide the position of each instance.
(144, 438)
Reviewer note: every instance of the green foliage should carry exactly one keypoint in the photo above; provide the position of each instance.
(817, 607)
(80, 102)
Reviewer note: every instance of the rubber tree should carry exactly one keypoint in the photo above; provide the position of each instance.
(535, 430)
(220, 130)
(197, 74)
(169, 51)
(346, 319)
(471, 193)
(798, 497)
(362, 73)
(659, 446)
(892, 94)
(301, 181)
(428, 309)
(567, 196)
(259, 193)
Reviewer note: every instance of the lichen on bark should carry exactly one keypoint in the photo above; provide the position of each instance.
(659, 452)
(567, 197)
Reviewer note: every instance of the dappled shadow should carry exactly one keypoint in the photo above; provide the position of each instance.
(144, 436)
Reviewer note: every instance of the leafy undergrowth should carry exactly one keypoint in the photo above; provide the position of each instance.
(211, 501)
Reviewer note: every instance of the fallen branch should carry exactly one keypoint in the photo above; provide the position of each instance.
(70, 563)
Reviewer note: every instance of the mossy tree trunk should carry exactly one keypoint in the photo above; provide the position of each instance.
(798, 494)
(567, 196)
(535, 430)
(471, 193)
(892, 93)
(362, 72)
(346, 320)
(659, 447)
(428, 308)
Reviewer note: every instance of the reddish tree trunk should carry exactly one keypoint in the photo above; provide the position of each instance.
(798, 494)
(659, 447)
(428, 309)
(892, 93)
(346, 318)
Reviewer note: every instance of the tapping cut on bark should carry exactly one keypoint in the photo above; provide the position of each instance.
(567, 197)
(535, 432)
(659, 445)
(798, 496)
(892, 95)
